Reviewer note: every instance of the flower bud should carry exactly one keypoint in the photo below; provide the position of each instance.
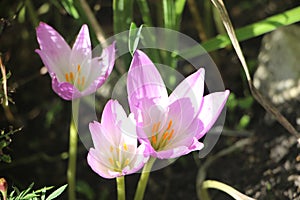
(3, 188)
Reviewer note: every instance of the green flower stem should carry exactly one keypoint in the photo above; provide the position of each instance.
(139, 194)
(121, 187)
(71, 173)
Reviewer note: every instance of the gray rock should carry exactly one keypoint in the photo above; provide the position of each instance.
(278, 73)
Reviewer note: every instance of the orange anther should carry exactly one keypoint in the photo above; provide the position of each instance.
(154, 139)
(165, 135)
(78, 68)
(78, 81)
(82, 81)
(71, 76)
(155, 127)
(67, 77)
(169, 125)
(171, 134)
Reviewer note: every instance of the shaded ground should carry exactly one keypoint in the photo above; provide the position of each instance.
(267, 168)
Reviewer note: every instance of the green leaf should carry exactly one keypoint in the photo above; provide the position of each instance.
(246, 103)
(134, 37)
(6, 158)
(70, 8)
(27, 190)
(179, 6)
(57, 192)
(244, 122)
(145, 11)
(250, 31)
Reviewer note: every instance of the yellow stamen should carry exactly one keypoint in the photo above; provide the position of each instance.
(67, 77)
(118, 150)
(126, 162)
(118, 164)
(125, 147)
(111, 161)
(82, 81)
(169, 125)
(111, 149)
(78, 68)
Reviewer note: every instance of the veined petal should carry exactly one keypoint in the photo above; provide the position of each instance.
(99, 69)
(138, 160)
(191, 87)
(115, 153)
(53, 49)
(181, 113)
(144, 81)
(99, 167)
(83, 41)
(52, 63)
(81, 51)
(112, 116)
(212, 107)
(97, 132)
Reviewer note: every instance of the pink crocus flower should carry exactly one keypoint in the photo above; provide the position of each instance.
(73, 71)
(170, 126)
(115, 151)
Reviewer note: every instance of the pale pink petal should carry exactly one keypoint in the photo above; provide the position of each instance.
(185, 135)
(109, 120)
(97, 132)
(83, 42)
(181, 113)
(180, 150)
(99, 69)
(155, 114)
(213, 105)
(81, 52)
(98, 166)
(144, 81)
(191, 87)
(138, 160)
(53, 49)
(50, 39)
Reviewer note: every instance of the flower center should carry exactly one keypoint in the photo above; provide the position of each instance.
(160, 139)
(80, 79)
(118, 160)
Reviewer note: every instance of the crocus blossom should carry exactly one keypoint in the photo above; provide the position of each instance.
(170, 126)
(115, 151)
(73, 71)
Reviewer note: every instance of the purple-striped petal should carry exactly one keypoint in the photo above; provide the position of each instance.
(65, 90)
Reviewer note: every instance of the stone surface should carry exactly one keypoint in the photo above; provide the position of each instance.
(278, 73)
